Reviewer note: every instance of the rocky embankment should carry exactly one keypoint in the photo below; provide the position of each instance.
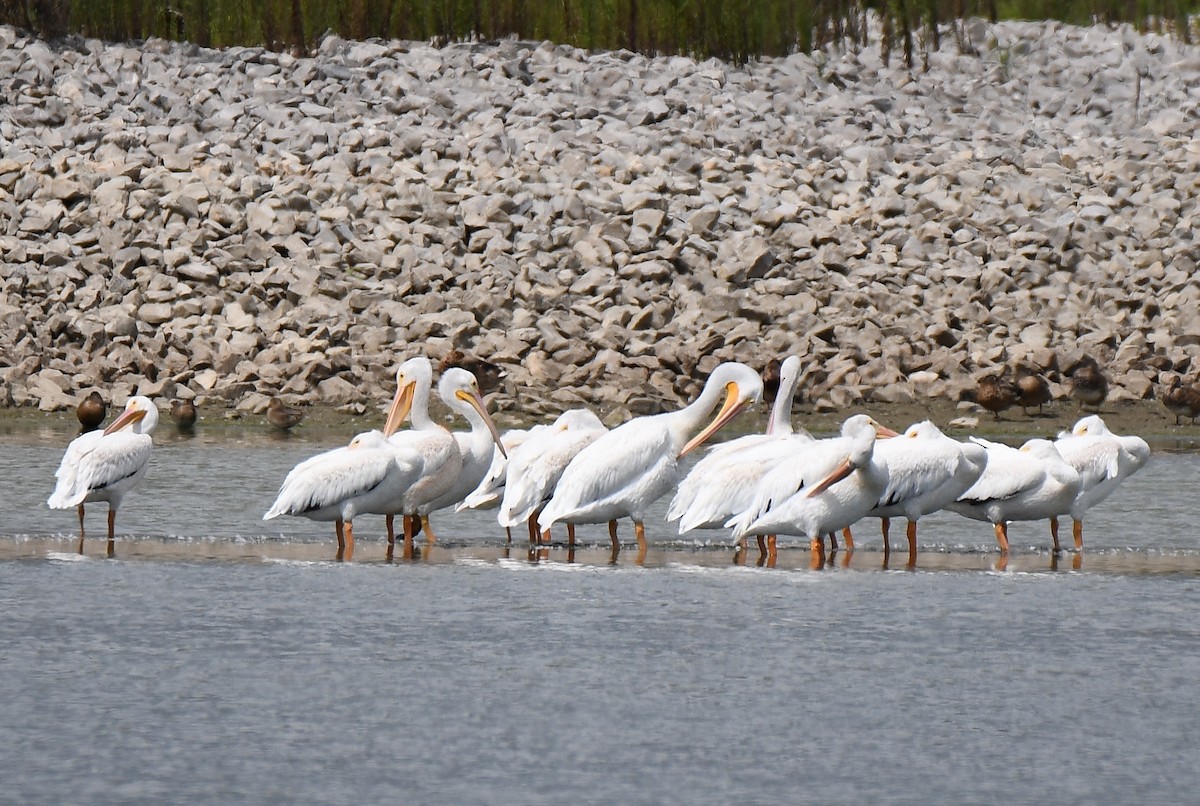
(606, 227)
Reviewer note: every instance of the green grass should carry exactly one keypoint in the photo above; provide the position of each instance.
(735, 30)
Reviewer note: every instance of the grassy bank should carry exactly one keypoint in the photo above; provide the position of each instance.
(735, 30)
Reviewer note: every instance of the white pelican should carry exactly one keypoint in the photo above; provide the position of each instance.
(1103, 460)
(624, 471)
(827, 486)
(1028, 484)
(460, 389)
(724, 482)
(341, 483)
(104, 465)
(927, 471)
(535, 468)
(441, 455)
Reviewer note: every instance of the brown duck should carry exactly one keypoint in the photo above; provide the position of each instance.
(996, 394)
(486, 373)
(1088, 384)
(770, 379)
(183, 414)
(282, 416)
(91, 411)
(1182, 401)
(1034, 389)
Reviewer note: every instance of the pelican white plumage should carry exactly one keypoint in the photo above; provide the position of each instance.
(624, 471)
(535, 468)
(1103, 460)
(337, 485)
(927, 471)
(1027, 484)
(441, 456)
(477, 445)
(490, 489)
(830, 485)
(725, 481)
(105, 465)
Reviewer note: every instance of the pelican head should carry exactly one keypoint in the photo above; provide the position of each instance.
(458, 384)
(922, 430)
(862, 431)
(140, 416)
(414, 374)
(742, 387)
(1090, 426)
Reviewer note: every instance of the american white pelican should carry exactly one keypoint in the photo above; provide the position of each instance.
(535, 468)
(927, 471)
(104, 465)
(477, 445)
(441, 456)
(827, 486)
(1103, 460)
(724, 482)
(624, 471)
(344, 482)
(1028, 484)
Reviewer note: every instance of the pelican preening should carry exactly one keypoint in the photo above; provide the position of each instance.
(105, 465)
(627, 469)
(724, 482)
(827, 486)
(451, 467)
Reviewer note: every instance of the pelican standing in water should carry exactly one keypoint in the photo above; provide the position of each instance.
(927, 471)
(105, 465)
(441, 456)
(534, 469)
(1103, 460)
(337, 485)
(725, 481)
(830, 485)
(1027, 484)
(460, 389)
(629, 468)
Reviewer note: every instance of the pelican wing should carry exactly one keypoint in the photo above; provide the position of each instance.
(915, 467)
(536, 469)
(1096, 459)
(608, 468)
(96, 460)
(330, 478)
(807, 464)
(726, 481)
(1008, 473)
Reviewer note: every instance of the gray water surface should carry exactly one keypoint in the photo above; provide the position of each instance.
(218, 658)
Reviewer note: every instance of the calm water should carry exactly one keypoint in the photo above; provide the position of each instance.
(219, 658)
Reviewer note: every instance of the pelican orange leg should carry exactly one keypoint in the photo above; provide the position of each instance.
(1002, 536)
(912, 543)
